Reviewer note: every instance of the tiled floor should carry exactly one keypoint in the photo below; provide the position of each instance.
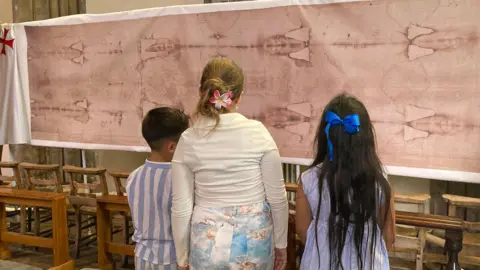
(9, 265)
(29, 259)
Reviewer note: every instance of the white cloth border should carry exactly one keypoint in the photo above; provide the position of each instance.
(443, 175)
(177, 10)
(90, 146)
(435, 174)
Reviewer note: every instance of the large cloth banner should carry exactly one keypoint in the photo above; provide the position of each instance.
(415, 65)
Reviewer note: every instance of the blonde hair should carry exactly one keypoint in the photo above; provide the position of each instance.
(223, 75)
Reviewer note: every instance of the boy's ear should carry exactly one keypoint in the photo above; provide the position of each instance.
(171, 146)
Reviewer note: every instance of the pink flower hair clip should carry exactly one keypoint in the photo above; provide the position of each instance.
(223, 100)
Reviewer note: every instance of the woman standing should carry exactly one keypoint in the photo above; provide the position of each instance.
(229, 208)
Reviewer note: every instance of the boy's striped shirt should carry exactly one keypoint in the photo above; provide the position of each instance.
(149, 192)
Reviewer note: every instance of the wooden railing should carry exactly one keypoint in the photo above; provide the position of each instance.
(453, 227)
(59, 242)
(105, 206)
(453, 231)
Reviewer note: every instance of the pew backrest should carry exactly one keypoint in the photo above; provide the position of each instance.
(52, 183)
(119, 186)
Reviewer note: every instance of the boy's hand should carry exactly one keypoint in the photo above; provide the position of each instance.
(185, 267)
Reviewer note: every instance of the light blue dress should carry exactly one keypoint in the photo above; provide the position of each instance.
(310, 259)
(232, 238)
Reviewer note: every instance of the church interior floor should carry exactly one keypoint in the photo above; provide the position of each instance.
(31, 258)
(43, 258)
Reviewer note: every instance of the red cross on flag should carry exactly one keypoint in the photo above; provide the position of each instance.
(14, 95)
(6, 42)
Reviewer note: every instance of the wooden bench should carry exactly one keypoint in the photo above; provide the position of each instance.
(121, 190)
(9, 180)
(409, 241)
(453, 227)
(105, 205)
(59, 242)
(471, 239)
(82, 198)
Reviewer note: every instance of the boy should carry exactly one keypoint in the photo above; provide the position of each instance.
(149, 190)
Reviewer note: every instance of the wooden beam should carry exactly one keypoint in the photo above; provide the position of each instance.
(291, 187)
(28, 240)
(412, 198)
(462, 201)
(70, 265)
(82, 6)
(117, 248)
(60, 233)
(41, 10)
(85, 171)
(105, 205)
(54, 9)
(72, 7)
(23, 11)
(63, 7)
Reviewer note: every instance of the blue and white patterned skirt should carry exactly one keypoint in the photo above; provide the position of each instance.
(238, 237)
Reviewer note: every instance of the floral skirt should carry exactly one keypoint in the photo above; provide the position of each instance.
(238, 237)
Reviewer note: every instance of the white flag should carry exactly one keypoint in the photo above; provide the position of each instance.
(14, 88)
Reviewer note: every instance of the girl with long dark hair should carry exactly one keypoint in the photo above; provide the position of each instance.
(344, 203)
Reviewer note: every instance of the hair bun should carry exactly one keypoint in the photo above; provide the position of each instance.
(213, 84)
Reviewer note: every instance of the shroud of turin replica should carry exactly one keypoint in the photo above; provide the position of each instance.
(415, 64)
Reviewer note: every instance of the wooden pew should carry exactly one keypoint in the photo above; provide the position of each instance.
(453, 231)
(105, 205)
(59, 242)
(471, 245)
(293, 244)
(9, 180)
(121, 191)
(14, 181)
(83, 199)
(410, 241)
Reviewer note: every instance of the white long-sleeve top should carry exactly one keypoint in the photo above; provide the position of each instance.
(236, 164)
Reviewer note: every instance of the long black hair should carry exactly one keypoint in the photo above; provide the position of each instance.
(355, 180)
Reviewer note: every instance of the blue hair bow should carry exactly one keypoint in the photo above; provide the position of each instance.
(351, 125)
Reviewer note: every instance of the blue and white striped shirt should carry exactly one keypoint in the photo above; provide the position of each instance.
(149, 191)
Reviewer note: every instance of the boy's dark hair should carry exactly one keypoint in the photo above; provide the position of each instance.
(163, 123)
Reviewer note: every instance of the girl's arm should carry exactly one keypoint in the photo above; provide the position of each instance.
(387, 220)
(303, 216)
(389, 227)
(274, 185)
(182, 206)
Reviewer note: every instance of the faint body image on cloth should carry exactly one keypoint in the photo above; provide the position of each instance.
(237, 237)
(414, 64)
